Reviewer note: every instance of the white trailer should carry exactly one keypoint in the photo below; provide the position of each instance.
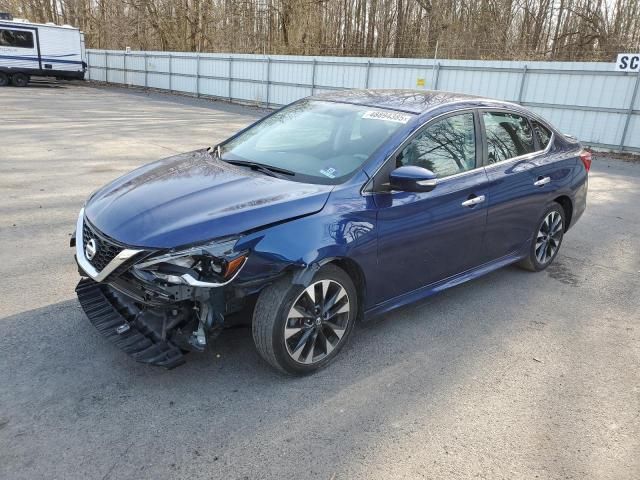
(47, 50)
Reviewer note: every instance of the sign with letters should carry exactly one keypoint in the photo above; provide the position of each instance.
(628, 62)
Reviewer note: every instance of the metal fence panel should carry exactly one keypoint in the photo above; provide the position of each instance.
(633, 135)
(586, 99)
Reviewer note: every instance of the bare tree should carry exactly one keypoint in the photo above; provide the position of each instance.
(479, 29)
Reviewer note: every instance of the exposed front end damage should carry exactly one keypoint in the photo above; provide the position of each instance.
(156, 304)
(148, 335)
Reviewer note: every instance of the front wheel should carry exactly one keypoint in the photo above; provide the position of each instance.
(300, 329)
(547, 239)
(4, 79)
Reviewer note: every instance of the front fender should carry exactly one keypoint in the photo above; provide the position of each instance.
(345, 228)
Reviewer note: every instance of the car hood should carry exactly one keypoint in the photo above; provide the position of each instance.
(192, 198)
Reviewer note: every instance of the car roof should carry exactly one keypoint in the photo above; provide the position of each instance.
(407, 100)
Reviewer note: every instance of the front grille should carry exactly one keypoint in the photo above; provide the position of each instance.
(106, 249)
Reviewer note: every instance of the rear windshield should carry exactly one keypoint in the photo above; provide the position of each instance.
(320, 142)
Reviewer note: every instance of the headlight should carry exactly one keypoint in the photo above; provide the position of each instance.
(211, 265)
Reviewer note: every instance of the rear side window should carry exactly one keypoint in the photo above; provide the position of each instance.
(542, 133)
(15, 38)
(445, 147)
(508, 136)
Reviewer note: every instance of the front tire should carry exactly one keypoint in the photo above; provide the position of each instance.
(547, 239)
(300, 329)
(4, 79)
(19, 80)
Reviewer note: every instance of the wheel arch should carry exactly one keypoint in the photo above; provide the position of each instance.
(567, 205)
(355, 272)
(302, 275)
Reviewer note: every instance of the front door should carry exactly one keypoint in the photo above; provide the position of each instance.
(429, 236)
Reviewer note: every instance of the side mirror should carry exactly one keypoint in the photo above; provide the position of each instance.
(411, 178)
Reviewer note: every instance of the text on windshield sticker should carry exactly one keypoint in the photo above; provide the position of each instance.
(397, 117)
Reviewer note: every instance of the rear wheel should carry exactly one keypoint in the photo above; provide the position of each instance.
(547, 239)
(4, 79)
(19, 80)
(300, 329)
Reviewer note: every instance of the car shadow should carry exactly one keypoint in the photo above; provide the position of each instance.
(57, 364)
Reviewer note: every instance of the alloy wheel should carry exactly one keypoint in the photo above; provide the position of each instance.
(549, 237)
(317, 321)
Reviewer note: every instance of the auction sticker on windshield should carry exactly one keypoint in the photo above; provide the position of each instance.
(398, 117)
(329, 172)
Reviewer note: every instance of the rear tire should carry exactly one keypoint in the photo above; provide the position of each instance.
(19, 80)
(300, 329)
(4, 79)
(547, 239)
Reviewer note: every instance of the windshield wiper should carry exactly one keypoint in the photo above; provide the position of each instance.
(268, 169)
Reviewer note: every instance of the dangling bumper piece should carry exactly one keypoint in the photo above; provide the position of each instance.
(125, 327)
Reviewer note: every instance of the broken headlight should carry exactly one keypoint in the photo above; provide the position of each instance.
(211, 265)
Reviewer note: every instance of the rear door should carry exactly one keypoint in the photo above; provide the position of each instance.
(517, 187)
(429, 236)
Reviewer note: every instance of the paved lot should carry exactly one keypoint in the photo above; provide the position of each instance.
(516, 375)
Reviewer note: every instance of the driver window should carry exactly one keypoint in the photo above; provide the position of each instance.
(445, 147)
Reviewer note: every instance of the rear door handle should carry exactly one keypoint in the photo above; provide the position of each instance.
(473, 201)
(542, 181)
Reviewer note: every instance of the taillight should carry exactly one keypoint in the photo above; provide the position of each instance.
(585, 156)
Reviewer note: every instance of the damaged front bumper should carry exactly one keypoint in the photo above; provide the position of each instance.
(153, 321)
(133, 330)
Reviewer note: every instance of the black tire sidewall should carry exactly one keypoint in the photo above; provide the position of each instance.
(554, 207)
(19, 80)
(329, 272)
(4, 79)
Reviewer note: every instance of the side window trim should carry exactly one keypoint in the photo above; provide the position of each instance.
(370, 186)
(485, 154)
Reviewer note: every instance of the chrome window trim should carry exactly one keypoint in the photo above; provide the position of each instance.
(472, 110)
(89, 269)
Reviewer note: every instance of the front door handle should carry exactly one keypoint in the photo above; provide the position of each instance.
(542, 181)
(473, 201)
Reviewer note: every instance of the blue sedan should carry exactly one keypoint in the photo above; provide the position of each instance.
(331, 210)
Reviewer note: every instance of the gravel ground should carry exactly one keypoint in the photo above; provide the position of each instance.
(515, 375)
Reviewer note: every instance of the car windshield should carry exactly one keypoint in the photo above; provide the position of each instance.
(315, 141)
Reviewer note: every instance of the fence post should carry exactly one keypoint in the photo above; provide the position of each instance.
(366, 78)
(146, 71)
(124, 65)
(106, 67)
(268, 78)
(198, 75)
(313, 76)
(230, 74)
(522, 80)
(630, 112)
(435, 82)
(170, 73)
